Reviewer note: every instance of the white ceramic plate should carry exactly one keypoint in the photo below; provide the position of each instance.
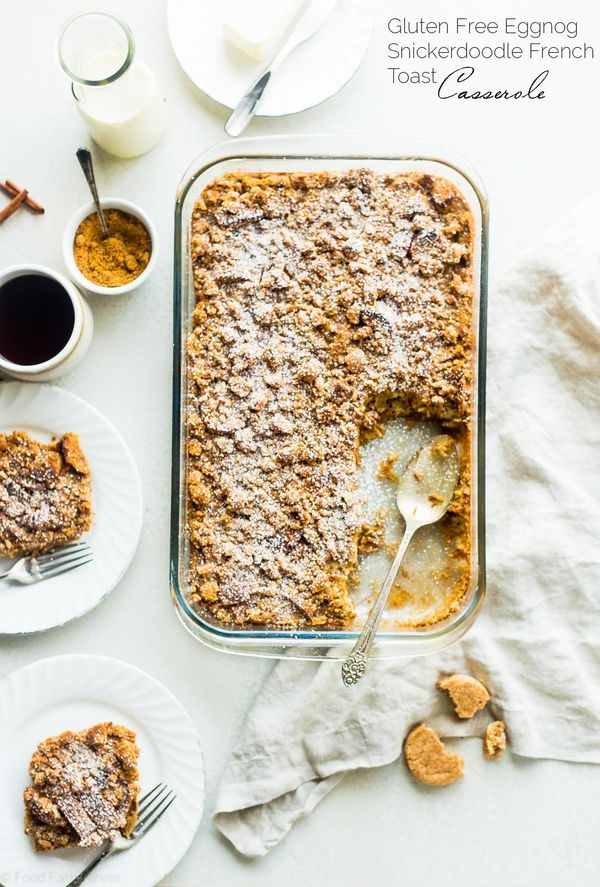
(313, 72)
(72, 693)
(46, 412)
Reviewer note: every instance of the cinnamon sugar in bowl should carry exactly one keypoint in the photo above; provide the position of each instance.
(115, 260)
(117, 264)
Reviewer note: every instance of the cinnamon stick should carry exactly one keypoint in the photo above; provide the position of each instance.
(12, 190)
(12, 206)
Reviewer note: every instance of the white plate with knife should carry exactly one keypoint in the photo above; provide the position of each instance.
(223, 52)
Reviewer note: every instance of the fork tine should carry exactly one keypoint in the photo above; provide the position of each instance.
(149, 821)
(160, 799)
(151, 792)
(78, 543)
(59, 548)
(64, 559)
(154, 811)
(55, 553)
(66, 568)
(151, 797)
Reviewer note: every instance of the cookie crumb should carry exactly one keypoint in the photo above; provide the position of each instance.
(428, 760)
(372, 535)
(494, 739)
(386, 468)
(468, 695)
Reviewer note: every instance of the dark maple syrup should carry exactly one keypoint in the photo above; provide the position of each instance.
(36, 319)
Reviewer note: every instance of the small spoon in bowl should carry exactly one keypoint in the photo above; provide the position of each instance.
(87, 165)
(425, 491)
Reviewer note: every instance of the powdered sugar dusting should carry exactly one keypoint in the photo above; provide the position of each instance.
(45, 493)
(84, 788)
(322, 298)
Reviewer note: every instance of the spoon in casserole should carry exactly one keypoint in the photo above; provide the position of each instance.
(425, 491)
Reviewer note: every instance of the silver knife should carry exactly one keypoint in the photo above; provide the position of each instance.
(313, 17)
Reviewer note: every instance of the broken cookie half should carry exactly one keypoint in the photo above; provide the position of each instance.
(494, 739)
(468, 695)
(428, 760)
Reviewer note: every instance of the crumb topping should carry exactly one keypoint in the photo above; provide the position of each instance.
(325, 303)
(45, 493)
(84, 788)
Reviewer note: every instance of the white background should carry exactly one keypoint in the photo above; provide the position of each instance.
(513, 821)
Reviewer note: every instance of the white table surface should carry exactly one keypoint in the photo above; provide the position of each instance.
(514, 821)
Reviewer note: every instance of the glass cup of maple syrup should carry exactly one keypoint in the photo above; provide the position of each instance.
(45, 323)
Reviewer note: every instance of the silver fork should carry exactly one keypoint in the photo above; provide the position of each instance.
(158, 800)
(59, 560)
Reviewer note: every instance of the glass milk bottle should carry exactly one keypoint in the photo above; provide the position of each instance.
(116, 93)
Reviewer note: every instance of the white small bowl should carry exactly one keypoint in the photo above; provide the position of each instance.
(69, 237)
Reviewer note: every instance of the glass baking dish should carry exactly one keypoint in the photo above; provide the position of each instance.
(314, 153)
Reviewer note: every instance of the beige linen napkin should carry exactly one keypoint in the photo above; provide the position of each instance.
(536, 645)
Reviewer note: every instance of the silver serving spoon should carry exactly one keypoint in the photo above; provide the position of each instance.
(310, 20)
(425, 491)
(87, 165)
